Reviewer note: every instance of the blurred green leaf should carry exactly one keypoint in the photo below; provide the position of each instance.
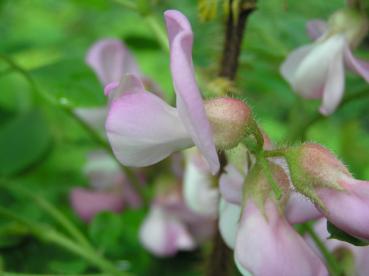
(72, 80)
(341, 235)
(23, 141)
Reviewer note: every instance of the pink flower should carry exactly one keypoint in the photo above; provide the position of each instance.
(110, 59)
(300, 209)
(171, 226)
(109, 191)
(142, 128)
(267, 244)
(319, 175)
(264, 241)
(317, 70)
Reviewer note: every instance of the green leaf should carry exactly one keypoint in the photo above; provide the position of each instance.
(23, 141)
(341, 235)
(72, 80)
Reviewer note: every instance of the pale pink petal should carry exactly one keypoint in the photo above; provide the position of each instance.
(93, 116)
(291, 64)
(300, 209)
(316, 28)
(110, 59)
(360, 67)
(128, 82)
(189, 102)
(361, 260)
(230, 185)
(314, 73)
(143, 129)
(334, 86)
(348, 210)
(87, 203)
(198, 191)
(267, 244)
(229, 220)
(164, 235)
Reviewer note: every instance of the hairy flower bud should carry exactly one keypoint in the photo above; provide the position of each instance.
(349, 22)
(228, 118)
(318, 174)
(314, 164)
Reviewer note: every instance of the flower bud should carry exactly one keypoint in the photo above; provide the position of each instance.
(228, 118)
(312, 166)
(349, 22)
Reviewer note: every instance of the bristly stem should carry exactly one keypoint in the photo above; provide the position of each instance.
(220, 260)
(235, 30)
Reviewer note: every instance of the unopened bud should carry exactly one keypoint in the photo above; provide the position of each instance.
(228, 118)
(348, 21)
(312, 166)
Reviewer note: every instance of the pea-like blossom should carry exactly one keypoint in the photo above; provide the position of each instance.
(317, 70)
(142, 128)
(319, 175)
(109, 189)
(171, 226)
(254, 225)
(110, 59)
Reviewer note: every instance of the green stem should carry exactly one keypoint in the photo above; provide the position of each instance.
(54, 213)
(158, 30)
(128, 4)
(331, 261)
(300, 131)
(69, 110)
(266, 168)
(275, 153)
(48, 234)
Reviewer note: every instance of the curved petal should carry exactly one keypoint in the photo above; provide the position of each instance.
(164, 235)
(360, 67)
(349, 209)
(198, 192)
(316, 28)
(230, 185)
(313, 75)
(334, 86)
(229, 217)
(299, 209)
(110, 59)
(87, 203)
(291, 64)
(142, 129)
(93, 116)
(268, 245)
(189, 103)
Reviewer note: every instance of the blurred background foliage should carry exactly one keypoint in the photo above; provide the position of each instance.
(43, 150)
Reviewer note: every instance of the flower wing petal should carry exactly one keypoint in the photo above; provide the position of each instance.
(189, 102)
(142, 129)
(110, 59)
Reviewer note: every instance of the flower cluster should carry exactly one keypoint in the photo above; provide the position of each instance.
(262, 191)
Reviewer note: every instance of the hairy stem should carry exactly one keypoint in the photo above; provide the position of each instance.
(220, 260)
(299, 132)
(233, 39)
